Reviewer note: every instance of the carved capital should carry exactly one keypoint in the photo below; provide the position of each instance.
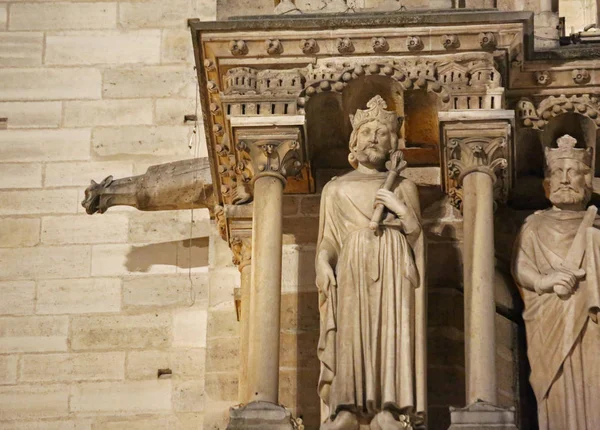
(272, 150)
(476, 154)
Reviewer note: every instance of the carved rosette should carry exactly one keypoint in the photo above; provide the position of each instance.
(309, 46)
(450, 41)
(488, 40)
(581, 76)
(242, 251)
(238, 47)
(414, 43)
(273, 46)
(585, 105)
(477, 154)
(219, 214)
(543, 78)
(345, 45)
(380, 44)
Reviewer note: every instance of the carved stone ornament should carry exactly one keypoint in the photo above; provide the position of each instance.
(212, 87)
(242, 251)
(586, 105)
(581, 76)
(219, 213)
(309, 46)
(274, 46)
(238, 47)
(477, 154)
(487, 40)
(345, 45)
(414, 43)
(450, 41)
(380, 44)
(543, 78)
(209, 65)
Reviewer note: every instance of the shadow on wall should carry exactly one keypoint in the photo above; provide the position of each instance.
(184, 254)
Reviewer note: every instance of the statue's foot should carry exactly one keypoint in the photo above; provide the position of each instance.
(385, 420)
(344, 420)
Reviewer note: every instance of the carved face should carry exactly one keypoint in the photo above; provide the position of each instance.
(373, 144)
(569, 183)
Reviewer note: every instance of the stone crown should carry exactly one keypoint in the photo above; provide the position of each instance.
(566, 150)
(376, 109)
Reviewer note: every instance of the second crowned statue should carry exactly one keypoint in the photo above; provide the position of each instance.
(367, 280)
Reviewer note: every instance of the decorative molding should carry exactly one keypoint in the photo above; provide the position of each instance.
(219, 213)
(586, 105)
(488, 40)
(242, 251)
(309, 46)
(274, 46)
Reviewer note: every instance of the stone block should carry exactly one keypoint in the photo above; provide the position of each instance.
(310, 205)
(176, 47)
(446, 385)
(8, 369)
(449, 306)
(222, 283)
(74, 424)
(142, 140)
(220, 254)
(192, 255)
(73, 367)
(21, 49)
(44, 145)
(62, 16)
(45, 262)
(107, 112)
(223, 354)
(445, 346)
(34, 401)
(222, 386)
(296, 391)
(20, 176)
(80, 229)
(155, 14)
(103, 47)
(81, 173)
(120, 331)
(188, 396)
(49, 83)
(144, 422)
(33, 334)
(189, 328)
(185, 364)
(290, 205)
(117, 260)
(150, 81)
(19, 232)
(298, 269)
(300, 230)
(300, 311)
(299, 349)
(31, 114)
(167, 226)
(172, 111)
(130, 396)
(78, 296)
(17, 297)
(3, 15)
(223, 323)
(32, 202)
(164, 291)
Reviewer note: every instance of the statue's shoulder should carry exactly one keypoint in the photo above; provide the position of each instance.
(535, 219)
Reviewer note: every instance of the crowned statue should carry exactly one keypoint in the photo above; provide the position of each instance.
(557, 268)
(370, 263)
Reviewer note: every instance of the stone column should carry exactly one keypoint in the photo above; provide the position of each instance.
(477, 155)
(268, 155)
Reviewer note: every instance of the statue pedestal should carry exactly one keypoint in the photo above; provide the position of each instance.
(482, 416)
(260, 416)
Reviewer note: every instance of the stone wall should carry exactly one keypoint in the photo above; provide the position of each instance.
(93, 306)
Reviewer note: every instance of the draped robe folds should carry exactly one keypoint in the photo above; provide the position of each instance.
(367, 344)
(563, 336)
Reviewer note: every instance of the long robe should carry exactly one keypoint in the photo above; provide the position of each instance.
(366, 345)
(563, 337)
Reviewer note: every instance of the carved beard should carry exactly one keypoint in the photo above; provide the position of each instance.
(568, 196)
(371, 156)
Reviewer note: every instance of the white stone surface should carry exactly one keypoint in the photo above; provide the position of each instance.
(78, 296)
(20, 175)
(189, 328)
(38, 202)
(107, 112)
(73, 367)
(31, 114)
(45, 262)
(44, 145)
(130, 396)
(80, 229)
(18, 297)
(81, 173)
(62, 16)
(21, 49)
(34, 401)
(33, 334)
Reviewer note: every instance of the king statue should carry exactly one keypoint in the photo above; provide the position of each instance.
(557, 267)
(370, 266)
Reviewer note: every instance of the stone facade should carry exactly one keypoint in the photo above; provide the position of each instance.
(103, 320)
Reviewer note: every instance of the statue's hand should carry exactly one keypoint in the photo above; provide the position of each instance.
(561, 282)
(391, 201)
(91, 203)
(325, 276)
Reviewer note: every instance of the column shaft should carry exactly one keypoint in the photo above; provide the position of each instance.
(263, 348)
(245, 281)
(480, 308)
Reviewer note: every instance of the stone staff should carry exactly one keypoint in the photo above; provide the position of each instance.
(394, 165)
